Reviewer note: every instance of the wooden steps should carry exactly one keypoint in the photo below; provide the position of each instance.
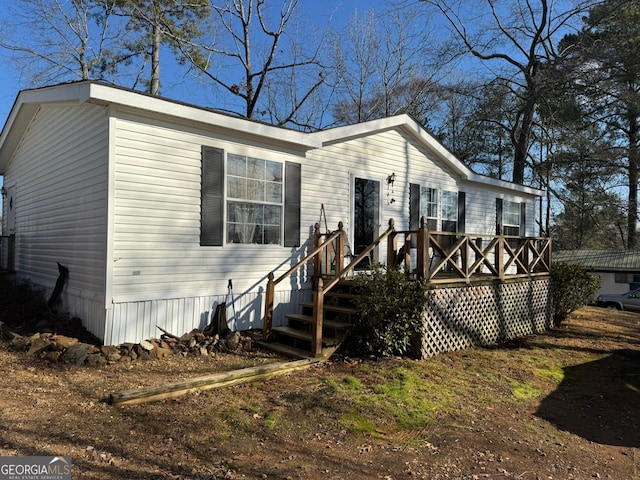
(295, 338)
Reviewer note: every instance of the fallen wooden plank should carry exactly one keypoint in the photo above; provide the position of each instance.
(208, 382)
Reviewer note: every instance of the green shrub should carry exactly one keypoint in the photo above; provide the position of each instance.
(391, 319)
(571, 288)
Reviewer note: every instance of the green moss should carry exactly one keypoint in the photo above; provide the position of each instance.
(357, 423)
(401, 396)
(331, 383)
(272, 418)
(552, 373)
(523, 391)
(353, 384)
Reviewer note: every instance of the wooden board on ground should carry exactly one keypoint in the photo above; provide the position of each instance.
(208, 382)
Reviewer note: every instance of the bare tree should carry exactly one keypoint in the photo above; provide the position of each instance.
(250, 36)
(53, 41)
(519, 38)
(379, 67)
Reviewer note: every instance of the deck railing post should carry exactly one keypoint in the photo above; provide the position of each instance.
(499, 254)
(339, 260)
(407, 252)
(422, 270)
(317, 261)
(464, 255)
(268, 307)
(318, 312)
(392, 245)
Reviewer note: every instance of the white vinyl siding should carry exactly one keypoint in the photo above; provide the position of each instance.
(59, 171)
(157, 252)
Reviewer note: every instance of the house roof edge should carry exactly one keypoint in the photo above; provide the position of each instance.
(27, 102)
(411, 126)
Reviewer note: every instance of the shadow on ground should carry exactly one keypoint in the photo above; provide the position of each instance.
(599, 400)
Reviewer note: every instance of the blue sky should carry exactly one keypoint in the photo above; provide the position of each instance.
(319, 12)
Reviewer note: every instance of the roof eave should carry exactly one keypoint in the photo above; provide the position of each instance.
(409, 125)
(28, 101)
(101, 93)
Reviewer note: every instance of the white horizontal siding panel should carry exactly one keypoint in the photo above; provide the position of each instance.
(59, 170)
(157, 249)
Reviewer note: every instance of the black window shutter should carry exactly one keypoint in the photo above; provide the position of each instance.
(292, 201)
(523, 219)
(414, 211)
(498, 216)
(212, 197)
(414, 206)
(462, 214)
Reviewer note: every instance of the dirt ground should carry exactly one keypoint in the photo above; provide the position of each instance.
(564, 405)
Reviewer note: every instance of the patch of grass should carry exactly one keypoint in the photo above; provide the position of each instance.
(331, 383)
(553, 373)
(523, 391)
(271, 419)
(357, 423)
(353, 384)
(400, 396)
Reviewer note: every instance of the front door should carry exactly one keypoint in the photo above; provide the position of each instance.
(366, 216)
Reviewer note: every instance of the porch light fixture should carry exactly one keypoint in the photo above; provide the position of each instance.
(3, 191)
(391, 178)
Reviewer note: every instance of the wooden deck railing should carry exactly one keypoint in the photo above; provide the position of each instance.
(440, 257)
(446, 257)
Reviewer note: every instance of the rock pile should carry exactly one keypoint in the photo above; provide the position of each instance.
(60, 348)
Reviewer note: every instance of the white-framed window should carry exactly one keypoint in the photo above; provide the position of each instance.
(254, 200)
(449, 211)
(429, 206)
(511, 220)
(248, 200)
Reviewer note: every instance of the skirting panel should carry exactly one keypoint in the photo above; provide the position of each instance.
(139, 320)
(462, 317)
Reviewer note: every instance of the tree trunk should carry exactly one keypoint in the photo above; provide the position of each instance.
(521, 142)
(154, 87)
(634, 161)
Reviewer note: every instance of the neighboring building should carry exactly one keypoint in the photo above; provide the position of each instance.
(153, 205)
(619, 270)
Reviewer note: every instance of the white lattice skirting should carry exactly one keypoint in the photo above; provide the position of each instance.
(462, 317)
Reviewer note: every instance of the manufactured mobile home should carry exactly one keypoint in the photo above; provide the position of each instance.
(154, 205)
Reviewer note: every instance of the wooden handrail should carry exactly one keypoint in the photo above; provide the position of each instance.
(271, 282)
(361, 256)
(309, 256)
(320, 290)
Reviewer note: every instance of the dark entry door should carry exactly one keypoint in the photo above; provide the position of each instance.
(366, 214)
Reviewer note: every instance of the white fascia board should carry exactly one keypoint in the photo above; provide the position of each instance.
(494, 182)
(25, 106)
(409, 125)
(28, 101)
(104, 94)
